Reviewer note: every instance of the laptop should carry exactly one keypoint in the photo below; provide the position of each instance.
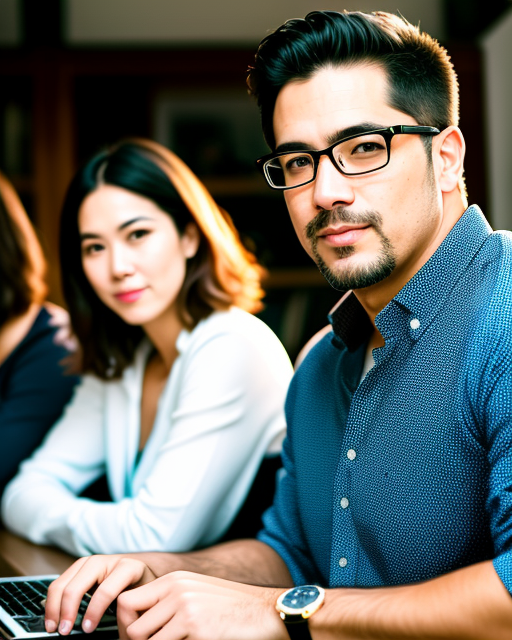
(22, 602)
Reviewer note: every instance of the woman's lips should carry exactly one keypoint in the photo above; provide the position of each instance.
(342, 236)
(130, 296)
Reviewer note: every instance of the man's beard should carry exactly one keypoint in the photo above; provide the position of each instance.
(358, 276)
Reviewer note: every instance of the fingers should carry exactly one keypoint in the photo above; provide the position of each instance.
(167, 608)
(136, 626)
(64, 338)
(55, 595)
(127, 572)
(186, 605)
(159, 622)
(58, 315)
(130, 603)
(112, 574)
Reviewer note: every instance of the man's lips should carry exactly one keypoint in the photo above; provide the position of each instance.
(129, 296)
(343, 236)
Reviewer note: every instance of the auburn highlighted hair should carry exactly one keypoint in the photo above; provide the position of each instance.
(22, 263)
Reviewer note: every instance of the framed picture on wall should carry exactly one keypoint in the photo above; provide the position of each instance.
(217, 133)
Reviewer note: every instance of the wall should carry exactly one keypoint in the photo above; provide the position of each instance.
(497, 48)
(234, 21)
(237, 22)
(10, 27)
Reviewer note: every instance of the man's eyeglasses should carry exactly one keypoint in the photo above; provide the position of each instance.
(352, 156)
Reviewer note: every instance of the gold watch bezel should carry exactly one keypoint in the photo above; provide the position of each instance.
(307, 611)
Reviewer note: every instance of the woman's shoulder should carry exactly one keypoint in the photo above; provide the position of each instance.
(41, 338)
(237, 335)
(36, 363)
(43, 325)
(20, 330)
(237, 323)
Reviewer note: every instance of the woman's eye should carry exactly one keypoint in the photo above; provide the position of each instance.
(92, 249)
(138, 233)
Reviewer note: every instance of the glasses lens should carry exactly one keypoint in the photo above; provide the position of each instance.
(362, 154)
(290, 170)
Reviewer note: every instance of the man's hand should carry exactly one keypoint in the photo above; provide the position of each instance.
(197, 607)
(110, 574)
(241, 561)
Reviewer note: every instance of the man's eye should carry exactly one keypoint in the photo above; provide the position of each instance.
(298, 163)
(367, 147)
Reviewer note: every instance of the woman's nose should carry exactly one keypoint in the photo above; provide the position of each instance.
(121, 262)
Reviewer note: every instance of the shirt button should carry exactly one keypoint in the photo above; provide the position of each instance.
(415, 323)
(351, 454)
(344, 503)
(343, 562)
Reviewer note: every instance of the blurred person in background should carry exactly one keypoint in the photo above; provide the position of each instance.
(183, 389)
(33, 384)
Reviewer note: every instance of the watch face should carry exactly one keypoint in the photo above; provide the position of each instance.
(300, 597)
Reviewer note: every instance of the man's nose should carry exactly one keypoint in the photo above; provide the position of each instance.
(331, 188)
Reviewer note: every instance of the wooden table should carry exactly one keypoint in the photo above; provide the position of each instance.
(18, 557)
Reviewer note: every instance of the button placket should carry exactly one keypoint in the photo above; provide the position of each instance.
(345, 552)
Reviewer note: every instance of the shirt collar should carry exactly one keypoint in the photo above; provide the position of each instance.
(419, 298)
(350, 323)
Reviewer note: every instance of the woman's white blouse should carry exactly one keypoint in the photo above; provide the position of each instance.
(220, 412)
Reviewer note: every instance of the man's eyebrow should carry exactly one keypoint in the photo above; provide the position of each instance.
(363, 127)
(94, 236)
(294, 146)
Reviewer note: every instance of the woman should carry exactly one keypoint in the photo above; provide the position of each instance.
(185, 389)
(33, 385)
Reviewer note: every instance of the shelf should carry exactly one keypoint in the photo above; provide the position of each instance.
(237, 186)
(23, 184)
(298, 277)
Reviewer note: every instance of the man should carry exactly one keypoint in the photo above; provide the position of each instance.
(396, 494)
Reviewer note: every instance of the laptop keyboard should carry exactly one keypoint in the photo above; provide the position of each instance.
(25, 601)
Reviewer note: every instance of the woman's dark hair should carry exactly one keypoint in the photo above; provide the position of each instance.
(221, 274)
(422, 81)
(22, 264)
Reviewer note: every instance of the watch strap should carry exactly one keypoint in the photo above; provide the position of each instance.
(297, 629)
(296, 605)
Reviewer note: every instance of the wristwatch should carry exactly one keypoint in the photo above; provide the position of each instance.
(296, 605)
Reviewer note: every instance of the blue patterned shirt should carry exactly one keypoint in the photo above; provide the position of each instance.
(407, 474)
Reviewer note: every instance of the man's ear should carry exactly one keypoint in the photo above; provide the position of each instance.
(190, 240)
(448, 150)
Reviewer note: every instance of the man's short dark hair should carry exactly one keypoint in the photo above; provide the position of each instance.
(421, 77)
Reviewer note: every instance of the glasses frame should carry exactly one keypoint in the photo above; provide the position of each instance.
(387, 133)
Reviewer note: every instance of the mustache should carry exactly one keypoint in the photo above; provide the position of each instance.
(327, 217)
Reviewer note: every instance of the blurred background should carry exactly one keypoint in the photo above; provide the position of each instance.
(77, 75)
